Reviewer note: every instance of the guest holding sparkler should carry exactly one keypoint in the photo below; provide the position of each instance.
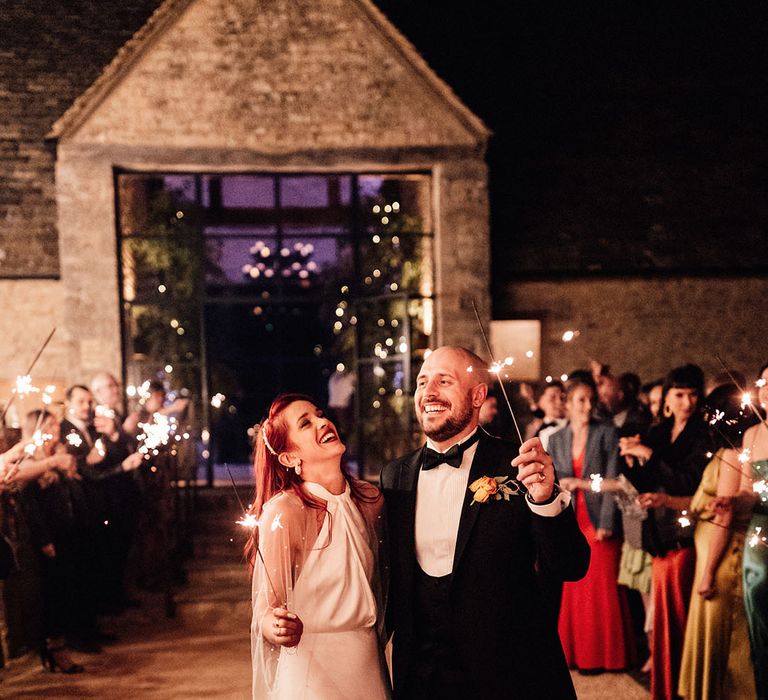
(317, 628)
(716, 661)
(755, 572)
(595, 624)
(121, 489)
(57, 507)
(667, 469)
(99, 459)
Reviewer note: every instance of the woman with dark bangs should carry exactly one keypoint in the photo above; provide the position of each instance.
(667, 469)
(317, 626)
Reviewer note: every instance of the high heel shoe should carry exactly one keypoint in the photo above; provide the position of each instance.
(55, 657)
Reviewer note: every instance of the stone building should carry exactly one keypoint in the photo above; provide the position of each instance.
(162, 163)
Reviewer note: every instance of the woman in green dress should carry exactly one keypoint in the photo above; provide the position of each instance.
(716, 662)
(756, 552)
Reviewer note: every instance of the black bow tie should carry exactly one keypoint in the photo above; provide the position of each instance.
(432, 458)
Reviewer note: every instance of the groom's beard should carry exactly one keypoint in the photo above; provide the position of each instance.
(454, 424)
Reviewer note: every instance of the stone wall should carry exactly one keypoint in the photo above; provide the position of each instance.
(282, 76)
(249, 86)
(645, 325)
(50, 53)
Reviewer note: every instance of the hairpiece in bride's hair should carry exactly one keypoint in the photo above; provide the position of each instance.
(266, 441)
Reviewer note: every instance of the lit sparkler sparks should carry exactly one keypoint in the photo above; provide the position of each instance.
(761, 489)
(716, 417)
(100, 449)
(48, 392)
(596, 482)
(744, 455)
(757, 538)
(760, 383)
(39, 438)
(501, 383)
(496, 367)
(746, 399)
(104, 411)
(74, 439)
(156, 434)
(248, 520)
(684, 520)
(24, 387)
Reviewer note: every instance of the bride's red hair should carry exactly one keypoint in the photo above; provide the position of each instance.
(271, 477)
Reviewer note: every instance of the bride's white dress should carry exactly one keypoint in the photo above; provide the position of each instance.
(338, 656)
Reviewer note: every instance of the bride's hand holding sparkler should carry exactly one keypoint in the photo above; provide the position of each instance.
(282, 627)
(535, 470)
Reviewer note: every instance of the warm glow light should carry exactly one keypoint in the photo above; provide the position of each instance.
(248, 521)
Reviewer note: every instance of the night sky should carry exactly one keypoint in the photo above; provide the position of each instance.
(629, 137)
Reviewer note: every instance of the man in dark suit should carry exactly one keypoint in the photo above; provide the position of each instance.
(102, 460)
(465, 608)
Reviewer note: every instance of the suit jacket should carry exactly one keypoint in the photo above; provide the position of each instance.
(601, 456)
(502, 637)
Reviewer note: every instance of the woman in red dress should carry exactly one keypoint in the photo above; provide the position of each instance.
(595, 624)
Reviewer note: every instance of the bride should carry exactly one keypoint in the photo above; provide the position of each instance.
(317, 604)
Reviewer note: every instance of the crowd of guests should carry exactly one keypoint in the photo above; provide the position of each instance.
(667, 479)
(80, 506)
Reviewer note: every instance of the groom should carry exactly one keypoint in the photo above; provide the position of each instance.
(464, 605)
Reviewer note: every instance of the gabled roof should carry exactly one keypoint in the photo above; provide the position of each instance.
(170, 10)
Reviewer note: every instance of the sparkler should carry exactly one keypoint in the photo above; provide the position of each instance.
(74, 439)
(156, 434)
(596, 482)
(28, 373)
(249, 520)
(745, 394)
(499, 365)
(757, 538)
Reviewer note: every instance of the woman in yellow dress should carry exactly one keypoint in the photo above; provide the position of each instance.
(716, 661)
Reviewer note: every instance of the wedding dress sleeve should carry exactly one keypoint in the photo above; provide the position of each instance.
(286, 528)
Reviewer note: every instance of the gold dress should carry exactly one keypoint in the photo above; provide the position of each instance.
(716, 661)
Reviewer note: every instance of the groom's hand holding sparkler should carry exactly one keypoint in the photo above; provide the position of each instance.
(535, 470)
(282, 628)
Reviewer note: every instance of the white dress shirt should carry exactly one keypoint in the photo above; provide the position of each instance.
(440, 494)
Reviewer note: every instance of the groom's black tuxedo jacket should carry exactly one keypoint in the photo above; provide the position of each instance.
(502, 636)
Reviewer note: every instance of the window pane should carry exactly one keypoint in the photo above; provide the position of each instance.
(395, 203)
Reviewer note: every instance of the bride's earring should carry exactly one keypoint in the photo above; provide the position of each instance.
(298, 468)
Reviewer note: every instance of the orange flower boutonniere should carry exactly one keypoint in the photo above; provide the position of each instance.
(497, 486)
